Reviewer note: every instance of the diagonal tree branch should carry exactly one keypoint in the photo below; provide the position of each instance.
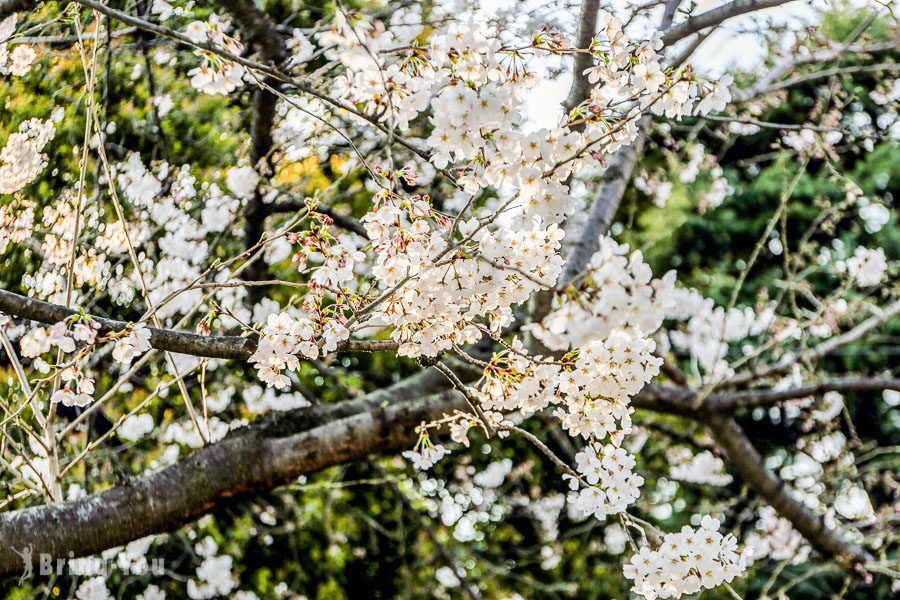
(881, 316)
(603, 209)
(744, 458)
(787, 65)
(716, 16)
(258, 458)
(669, 13)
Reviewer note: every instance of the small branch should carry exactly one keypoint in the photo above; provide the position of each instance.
(801, 79)
(881, 317)
(223, 346)
(726, 403)
(536, 441)
(342, 221)
(473, 402)
(790, 63)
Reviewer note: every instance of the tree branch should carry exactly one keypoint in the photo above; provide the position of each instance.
(788, 64)
(214, 346)
(807, 77)
(342, 221)
(587, 27)
(247, 462)
(744, 458)
(669, 13)
(716, 16)
(603, 210)
(227, 347)
(726, 403)
(881, 317)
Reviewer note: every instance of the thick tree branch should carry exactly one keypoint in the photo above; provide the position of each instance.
(281, 446)
(603, 210)
(273, 451)
(744, 458)
(247, 462)
(716, 16)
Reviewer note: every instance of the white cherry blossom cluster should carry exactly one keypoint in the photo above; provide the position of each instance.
(866, 267)
(440, 291)
(18, 61)
(709, 329)
(591, 392)
(89, 268)
(703, 467)
(393, 91)
(425, 455)
(332, 262)
(302, 130)
(610, 360)
(172, 234)
(214, 575)
(285, 339)
(605, 377)
(775, 538)
(22, 158)
(612, 483)
(216, 75)
(77, 388)
(616, 292)
(687, 562)
(134, 343)
(475, 89)
(874, 215)
(632, 72)
(73, 336)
